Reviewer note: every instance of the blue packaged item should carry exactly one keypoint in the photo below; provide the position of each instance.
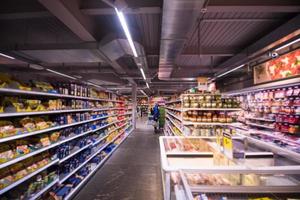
(62, 192)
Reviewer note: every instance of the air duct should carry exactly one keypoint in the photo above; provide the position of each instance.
(178, 18)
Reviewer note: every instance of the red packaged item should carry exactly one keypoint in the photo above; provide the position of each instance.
(284, 128)
(296, 101)
(279, 93)
(278, 127)
(296, 92)
(289, 92)
(294, 119)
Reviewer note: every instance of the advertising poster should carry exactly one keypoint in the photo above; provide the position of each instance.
(284, 66)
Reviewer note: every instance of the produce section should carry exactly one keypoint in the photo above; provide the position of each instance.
(52, 138)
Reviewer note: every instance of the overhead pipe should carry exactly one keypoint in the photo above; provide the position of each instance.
(178, 18)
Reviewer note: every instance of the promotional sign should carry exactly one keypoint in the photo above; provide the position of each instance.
(227, 144)
(284, 66)
(202, 83)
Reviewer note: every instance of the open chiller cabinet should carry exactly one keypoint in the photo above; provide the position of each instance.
(248, 169)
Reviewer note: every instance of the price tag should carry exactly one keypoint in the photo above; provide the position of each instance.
(227, 143)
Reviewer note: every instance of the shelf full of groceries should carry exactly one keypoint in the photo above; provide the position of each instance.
(54, 136)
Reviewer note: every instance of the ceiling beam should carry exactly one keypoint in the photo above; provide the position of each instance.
(209, 20)
(111, 11)
(69, 14)
(256, 8)
(25, 15)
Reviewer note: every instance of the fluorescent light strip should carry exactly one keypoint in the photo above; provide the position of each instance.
(288, 44)
(230, 71)
(144, 93)
(6, 56)
(143, 73)
(147, 85)
(98, 86)
(61, 74)
(126, 30)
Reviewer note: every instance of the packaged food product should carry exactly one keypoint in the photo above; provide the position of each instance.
(6, 153)
(6, 178)
(18, 171)
(43, 86)
(7, 129)
(44, 140)
(28, 124)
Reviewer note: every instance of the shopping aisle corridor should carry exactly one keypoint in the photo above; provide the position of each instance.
(131, 173)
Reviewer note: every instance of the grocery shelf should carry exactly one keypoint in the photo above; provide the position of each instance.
(74, 153)
(36, 93)
(18, 114)
(205, 123)
(64, 178)
(52, 146)
(13, 161)
(174, 124)
(261, 119)
(212, 109)
(6, 139)
(259, 125)
(13, 185)
(82, 183)
(45, 189)
(179, 118)
(98, 141)
(176, 109)
(91, 157)
(174, 101)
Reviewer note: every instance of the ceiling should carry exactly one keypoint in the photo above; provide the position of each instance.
(177, 40)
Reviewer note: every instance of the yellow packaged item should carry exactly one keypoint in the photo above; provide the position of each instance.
(6, 178)
(6, 153)
(18, 170)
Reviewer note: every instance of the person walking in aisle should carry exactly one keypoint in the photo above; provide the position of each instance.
(156, 115)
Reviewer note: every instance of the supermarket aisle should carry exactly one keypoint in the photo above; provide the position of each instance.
(132, 173)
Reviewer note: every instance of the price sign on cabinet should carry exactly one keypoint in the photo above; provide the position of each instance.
(227, 144)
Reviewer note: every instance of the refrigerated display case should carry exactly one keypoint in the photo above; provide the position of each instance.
(217, 155)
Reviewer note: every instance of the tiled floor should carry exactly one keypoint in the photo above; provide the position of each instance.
(131, 173)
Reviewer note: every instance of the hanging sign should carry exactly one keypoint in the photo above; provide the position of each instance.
(202, 83)
(285, 66)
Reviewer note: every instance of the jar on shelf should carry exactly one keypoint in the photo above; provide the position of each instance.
(275, 109)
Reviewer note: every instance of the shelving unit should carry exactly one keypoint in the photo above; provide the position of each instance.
(79, 186)
(171, 109)
(269, 100)
(125, 119)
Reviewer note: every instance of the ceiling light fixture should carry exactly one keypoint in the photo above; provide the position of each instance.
(143, 92)
(6, 56)
(223, 74)
(98, 86)
(288, 44)
(126, 31)
(143, 73)
(147, 85)
(61, 74)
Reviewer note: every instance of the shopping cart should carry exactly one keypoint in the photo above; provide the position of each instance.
(154, 123)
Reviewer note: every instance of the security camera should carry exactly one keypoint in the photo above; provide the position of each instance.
(273, 54)
(203, 10)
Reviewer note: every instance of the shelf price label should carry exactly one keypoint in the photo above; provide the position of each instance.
(227, 144)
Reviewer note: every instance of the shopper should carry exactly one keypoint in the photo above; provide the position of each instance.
(156, 115)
